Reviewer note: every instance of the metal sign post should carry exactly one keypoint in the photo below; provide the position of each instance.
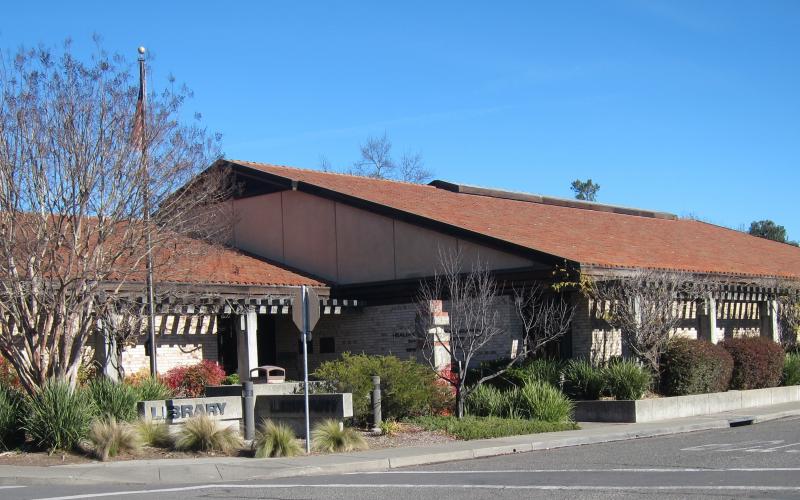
(305, 318)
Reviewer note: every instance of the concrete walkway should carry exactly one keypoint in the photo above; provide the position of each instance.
(181, 471)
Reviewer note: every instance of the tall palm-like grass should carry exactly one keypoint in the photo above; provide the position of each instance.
(330, 436)
(627, 379)
(791, 369)
(10, 418)
(152, 389)
(57, 417)
(275, 440)
(114, 399)
(201, 433)
(582, 380)
(109, 438)
(539, 400)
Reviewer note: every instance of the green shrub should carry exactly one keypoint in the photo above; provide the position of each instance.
(791, 369)
(757, 362)
(201, 433)
(408, 388)
(487, 401)
(691, 366)
(154, 434)
(582, 380)
(151, 389)
(538, 400)
(275, 440)
(535, 370)
(57, 417)
(109, 438)
(331, 437)
(10, 418)
(627, 379)
(232, 379)
(489, 427)
(113, 399)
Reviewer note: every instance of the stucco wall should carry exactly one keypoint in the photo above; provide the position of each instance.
(347, 245)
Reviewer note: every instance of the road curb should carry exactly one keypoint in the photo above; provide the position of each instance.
(99, 473)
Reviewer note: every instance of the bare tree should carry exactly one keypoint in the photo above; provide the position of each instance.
(74, 187)
(645, 307)
(412, 169)
(545, 316)
(376, 161)
(472, 301)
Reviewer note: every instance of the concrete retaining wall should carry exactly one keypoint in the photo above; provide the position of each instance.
(649, 410)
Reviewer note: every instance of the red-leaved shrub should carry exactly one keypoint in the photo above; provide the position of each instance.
(191, 381)
(757, 362)
(8, 375)
(690, 366)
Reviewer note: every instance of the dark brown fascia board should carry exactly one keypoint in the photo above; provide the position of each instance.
(404, 290)
(403, 216)
(549, 200)
(227, 290)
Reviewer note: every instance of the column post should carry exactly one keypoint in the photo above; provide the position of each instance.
(768, 311)
(247, 345)
(707, 328)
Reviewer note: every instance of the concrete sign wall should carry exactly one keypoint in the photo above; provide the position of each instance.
(176, 411)
(285, 408)
(290, 409)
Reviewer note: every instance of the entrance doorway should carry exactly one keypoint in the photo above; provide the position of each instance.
(267, 341)
(226, 344)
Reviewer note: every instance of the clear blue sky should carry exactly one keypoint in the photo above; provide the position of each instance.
(691, 107)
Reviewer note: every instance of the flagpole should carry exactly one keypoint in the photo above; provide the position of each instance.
(146, 217)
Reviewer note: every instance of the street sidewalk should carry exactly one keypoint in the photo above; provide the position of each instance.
(180, 471)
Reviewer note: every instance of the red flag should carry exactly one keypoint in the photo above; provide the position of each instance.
(137, 134)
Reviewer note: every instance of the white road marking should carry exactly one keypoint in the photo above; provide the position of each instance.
(546, 487)
(537, 471)
(747, 446)
(10, 487)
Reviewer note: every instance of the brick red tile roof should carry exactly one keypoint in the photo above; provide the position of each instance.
(589, 237)
(196, 262)
(226, 266)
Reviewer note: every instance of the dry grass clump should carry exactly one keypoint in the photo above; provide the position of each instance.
(330, 436)
(154, 434)
(109, 438)
(276, 440)
(201, 433)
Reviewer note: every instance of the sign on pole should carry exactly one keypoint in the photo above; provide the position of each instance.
(313, 308)
(305, 314)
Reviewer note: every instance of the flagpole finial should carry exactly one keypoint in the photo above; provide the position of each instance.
(141, 50)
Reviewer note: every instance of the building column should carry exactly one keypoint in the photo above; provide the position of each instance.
(768, 312)
(436, 345)
(581, 327)
(105, 352)
(707, 328)
(247, 343)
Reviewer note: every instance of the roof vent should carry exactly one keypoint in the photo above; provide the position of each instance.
(549, 200)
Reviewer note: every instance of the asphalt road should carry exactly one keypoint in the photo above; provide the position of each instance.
(757, 461)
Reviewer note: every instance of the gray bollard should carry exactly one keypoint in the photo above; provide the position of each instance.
(248, 410)
(376, 404)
